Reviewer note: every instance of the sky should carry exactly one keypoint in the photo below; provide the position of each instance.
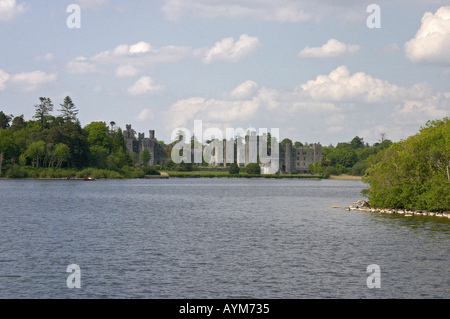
(319, 71)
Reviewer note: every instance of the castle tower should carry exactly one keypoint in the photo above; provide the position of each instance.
(288, 157)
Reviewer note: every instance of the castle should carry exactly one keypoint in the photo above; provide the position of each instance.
(137, 145)
(291, 158)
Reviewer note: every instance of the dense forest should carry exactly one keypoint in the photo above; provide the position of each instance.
(413, 173)
(49, 146)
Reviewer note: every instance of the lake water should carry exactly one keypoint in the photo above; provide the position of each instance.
(213, 238)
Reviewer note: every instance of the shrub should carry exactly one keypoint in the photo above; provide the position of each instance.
(234, 169)
(253, 169)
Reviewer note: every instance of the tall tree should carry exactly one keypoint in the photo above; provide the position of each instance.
(68, 110)
(43, 110)
(7, 146)
(4, 120)
(357, 142)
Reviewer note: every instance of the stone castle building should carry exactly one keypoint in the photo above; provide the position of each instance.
(290, 158)
(298, 158)
(139, 143)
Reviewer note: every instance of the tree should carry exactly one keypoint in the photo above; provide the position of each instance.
(286, 140)
(357, 142)
(98, 156)
(343, 154)
(298, 144)
(18, 123)
(253, 169)
(98, 134)
(43, 110)
(62, 153)
(234, 169)
(36, 151)
(4, 120)
(145, 156)
(113, 124)
(413, 173)
(7, 146)
(68, 110)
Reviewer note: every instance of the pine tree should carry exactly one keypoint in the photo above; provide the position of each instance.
(43, 110)
(68, 111)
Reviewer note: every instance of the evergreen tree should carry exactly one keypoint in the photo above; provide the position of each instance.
(43, 110)
(68, 110)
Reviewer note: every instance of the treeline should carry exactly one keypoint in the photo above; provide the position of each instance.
(50, 146)
(413, 173)
(346, 158)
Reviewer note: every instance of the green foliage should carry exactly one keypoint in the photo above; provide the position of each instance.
(413, 173)
(234, 169)
(43, 110)
(283, 142)
(68, 110)
(98, 134)
(4, 121)
(349, 158)
(253, 169)
(145, 156)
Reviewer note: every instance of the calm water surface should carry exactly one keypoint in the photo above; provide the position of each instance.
(212, 238)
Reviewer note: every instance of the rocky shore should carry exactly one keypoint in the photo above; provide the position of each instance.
(364, 206)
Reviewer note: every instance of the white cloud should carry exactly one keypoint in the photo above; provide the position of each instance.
(145, 115)
(432, 42)
(31, 81)
(416, 111)
(141, 47)
(4, 77)
(131, 59)
(242, 103)
(81, 65)
(140, 54)
(123, 71)
(245, 91)
(340, 85)
(229, 50)
(266, 10)
(9, 9)
(145, 85)
(333, 48)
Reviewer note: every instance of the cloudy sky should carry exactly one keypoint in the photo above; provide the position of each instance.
(313, 69)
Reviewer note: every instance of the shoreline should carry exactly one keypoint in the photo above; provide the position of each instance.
(364, 206)
(346, 177)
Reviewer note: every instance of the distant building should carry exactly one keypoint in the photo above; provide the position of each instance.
(137, 145)
(290, 158)
(298, 158)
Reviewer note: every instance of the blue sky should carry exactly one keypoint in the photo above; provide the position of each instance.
(313, 69)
